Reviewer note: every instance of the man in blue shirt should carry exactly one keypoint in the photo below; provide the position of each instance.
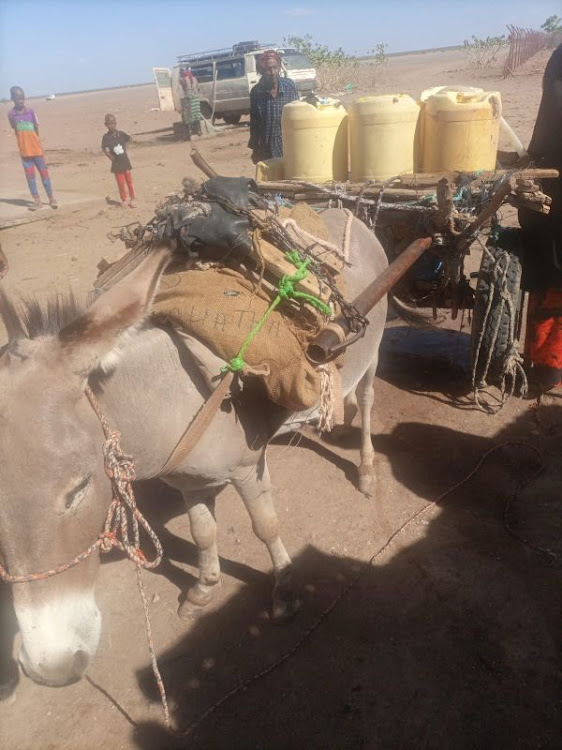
(267, 99)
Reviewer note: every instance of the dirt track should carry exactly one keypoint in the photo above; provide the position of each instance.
(450, 641)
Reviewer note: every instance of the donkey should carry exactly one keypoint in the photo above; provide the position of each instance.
(54, 492)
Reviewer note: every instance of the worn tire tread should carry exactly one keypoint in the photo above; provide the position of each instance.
(481, 298)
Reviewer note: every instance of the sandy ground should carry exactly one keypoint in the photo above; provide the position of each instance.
(451, 640)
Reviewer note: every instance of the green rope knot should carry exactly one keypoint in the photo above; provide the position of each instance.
(287, 284)
(285, 291)
(235, 365)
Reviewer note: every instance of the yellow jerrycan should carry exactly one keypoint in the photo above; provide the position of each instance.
(315, 141)
(459, 130)
(270, 170)
(382, 132)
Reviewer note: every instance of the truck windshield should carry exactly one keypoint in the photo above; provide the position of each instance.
(294, 60)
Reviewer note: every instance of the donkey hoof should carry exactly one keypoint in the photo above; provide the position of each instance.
(199, 596)
(283, 610)
(367, 482)
(189, 611)
(194, 601)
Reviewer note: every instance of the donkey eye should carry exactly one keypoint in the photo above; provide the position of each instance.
(75, 496)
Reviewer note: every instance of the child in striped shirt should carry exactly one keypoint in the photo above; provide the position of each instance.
(26, 126)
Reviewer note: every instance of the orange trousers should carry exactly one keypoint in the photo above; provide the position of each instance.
(543, 343)
(122, 179)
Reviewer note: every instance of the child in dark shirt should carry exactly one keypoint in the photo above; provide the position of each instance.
(114, 146)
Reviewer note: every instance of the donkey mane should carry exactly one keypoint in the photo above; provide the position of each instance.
(31, 319)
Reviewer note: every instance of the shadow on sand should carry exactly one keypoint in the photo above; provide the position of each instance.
(17, 202)
(450, 641)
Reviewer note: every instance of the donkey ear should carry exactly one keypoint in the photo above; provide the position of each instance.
(94, 336)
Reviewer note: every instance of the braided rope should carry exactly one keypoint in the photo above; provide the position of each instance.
(120, 469)
(121, 530)
(327, 399)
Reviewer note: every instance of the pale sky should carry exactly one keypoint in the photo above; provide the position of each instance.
(53, 46)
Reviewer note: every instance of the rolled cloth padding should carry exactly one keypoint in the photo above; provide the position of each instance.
(220, 307)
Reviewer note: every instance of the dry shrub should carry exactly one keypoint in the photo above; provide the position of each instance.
(352, 74)
(333, 79)
(483, 53)
(336, 71)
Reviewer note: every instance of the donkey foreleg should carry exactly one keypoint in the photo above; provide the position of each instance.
(204, 533)
(255, 490)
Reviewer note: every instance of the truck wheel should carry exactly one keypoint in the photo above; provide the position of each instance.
(497, 308)
(206, 110)
(231, 119)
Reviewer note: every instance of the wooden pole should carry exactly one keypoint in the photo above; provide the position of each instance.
(411, 182)
(331, 340)
(202, 163)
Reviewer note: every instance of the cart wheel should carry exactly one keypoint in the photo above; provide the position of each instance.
(497, 308)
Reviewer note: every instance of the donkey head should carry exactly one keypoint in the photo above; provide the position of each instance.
(54, 493)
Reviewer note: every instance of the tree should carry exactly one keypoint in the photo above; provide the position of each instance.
(318, 54)
(552, 25)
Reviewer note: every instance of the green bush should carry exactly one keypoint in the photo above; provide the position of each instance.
(336, 71)
(552, 25)
(482, 53)
(318, 54)
(378, 56)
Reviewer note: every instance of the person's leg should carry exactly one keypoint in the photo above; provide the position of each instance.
(29, 169)
(543, 346)
(45, 179)
(129, 180)
(120, 177)
(185, 110)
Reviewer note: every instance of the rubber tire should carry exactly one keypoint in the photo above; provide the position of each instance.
(206, 109)
(231, 119)
(481, 299)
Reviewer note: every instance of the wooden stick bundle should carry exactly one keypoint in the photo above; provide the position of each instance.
(410, 186)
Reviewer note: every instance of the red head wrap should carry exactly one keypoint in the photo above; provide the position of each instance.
(269, 54)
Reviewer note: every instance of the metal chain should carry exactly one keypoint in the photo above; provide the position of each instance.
(354, 318)
(163, 225)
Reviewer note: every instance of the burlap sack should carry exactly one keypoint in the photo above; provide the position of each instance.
(220, 307)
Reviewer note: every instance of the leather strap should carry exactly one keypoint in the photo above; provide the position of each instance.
(197, 428)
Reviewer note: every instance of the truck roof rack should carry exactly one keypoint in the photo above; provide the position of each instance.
(214, 54)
